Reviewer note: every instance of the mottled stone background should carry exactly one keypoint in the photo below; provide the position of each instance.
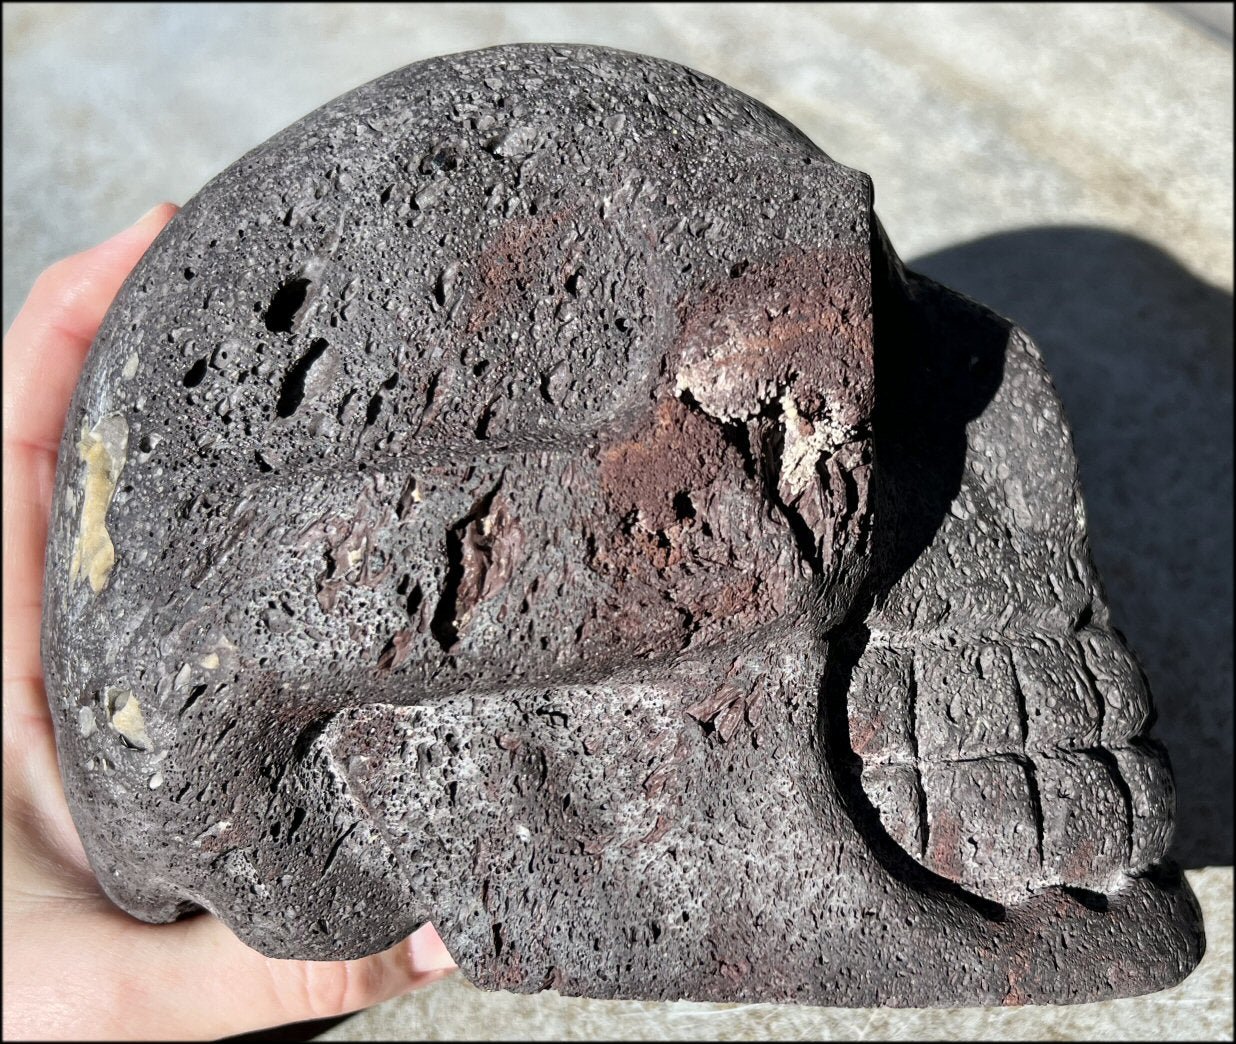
(1069, 165)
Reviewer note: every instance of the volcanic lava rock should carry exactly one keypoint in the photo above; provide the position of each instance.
(528, 494)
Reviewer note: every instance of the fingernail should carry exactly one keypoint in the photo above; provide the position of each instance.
(150, 213)
(427, 950)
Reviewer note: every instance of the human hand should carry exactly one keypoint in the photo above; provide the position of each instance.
(75, 966)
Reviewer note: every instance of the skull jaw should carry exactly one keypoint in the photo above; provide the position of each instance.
(583, 840)
(784, 899)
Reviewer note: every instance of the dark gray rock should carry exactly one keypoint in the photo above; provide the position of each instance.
(528, 494)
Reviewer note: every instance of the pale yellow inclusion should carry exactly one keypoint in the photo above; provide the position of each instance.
(126, 718)
(102, 450)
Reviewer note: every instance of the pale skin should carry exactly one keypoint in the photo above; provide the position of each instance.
(75, 966)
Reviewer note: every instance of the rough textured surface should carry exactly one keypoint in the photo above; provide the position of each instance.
(453, 1009)
(1057, 186)
(438, 418)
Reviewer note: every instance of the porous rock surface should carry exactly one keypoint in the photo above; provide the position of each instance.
(528, 495)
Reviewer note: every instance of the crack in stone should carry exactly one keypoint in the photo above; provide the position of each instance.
(455, 603)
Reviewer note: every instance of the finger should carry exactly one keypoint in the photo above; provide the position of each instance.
(271, 992)
(192, 980)
(43, 353)
(45, 346)
(189, 980)
(210, 984)
(43, 854)
(27, 484)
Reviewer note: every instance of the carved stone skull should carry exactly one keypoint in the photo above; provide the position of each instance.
(528, 494)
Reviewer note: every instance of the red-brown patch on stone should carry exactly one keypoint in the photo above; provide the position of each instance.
(737, 597)
(1017, 972)
(683, 575)
(863, 732)
(517, 256)
(755, 705)
(1081, 862)
(637, 618)
(397, 650)
(728, 722)
(705, 710)
(673, 564)
(677, 452)
(658, 778)
(944, 855)
(595, 846)
(349, 538)
(735, 972)
(803, 320)
(657, 832)
(491, 548)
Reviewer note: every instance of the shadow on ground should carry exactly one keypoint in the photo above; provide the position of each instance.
(1141, 353)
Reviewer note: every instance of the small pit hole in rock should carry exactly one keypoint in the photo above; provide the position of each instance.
(292, 392)
(415, 597)
(284, 306)
(194, 375)
(482, 423)
(444, 156)
(298, 817)
(194, 695)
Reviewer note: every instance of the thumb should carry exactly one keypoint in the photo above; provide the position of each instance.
(195, 980)
(190, 980)
(229, 988)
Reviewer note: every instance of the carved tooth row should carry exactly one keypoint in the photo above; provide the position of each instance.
(1003, 826)
(947, 702)
(1008, 766)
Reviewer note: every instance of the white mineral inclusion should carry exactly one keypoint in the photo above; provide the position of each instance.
(102, 450)
(805, 444)
(721, 384)
(125, 715)
(719, 392)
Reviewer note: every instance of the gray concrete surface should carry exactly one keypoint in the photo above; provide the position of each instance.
(1069, 165)
(1217, 18)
